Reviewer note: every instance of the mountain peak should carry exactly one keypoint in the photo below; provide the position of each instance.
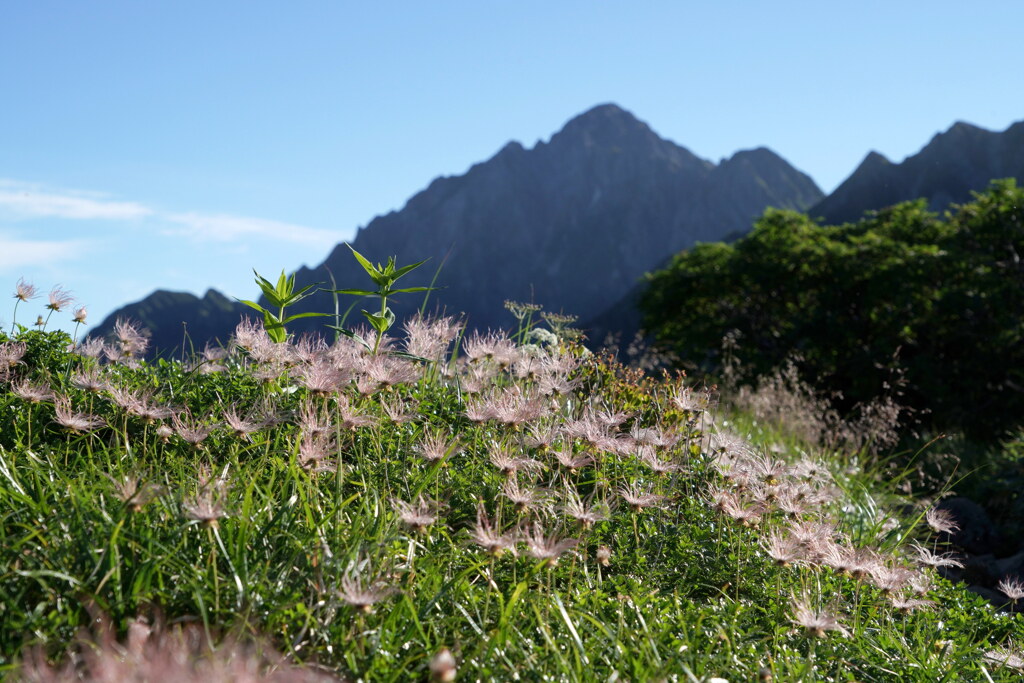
(605, 195)
(606, 111)
(605, 124)
(965, 127)
(874, 159)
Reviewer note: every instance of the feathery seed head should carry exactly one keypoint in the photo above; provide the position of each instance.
(134, 492)
(1012, 588)
(164, 432)
(484, 535)
(523, 499)
(363, 595)
(32, 391)
(11, 354)
(132, 339)
(417, 515)
(935, 560)
(584, 511)
(205, 508)
(941, 521)
(90, 348)
(907, 605)
(74, 422)
(59, 298)
(891, 579)
(548, 548)
(816, 623)
(314, 450)
(1010, 656)
(435, 445)
(25, 290)
(639, 498)
(784, 550)
(190, 429)
(241, 427)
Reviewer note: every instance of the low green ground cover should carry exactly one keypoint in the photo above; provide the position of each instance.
(470, 507)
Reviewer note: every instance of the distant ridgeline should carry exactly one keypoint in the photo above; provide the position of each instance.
(571, 224)
(902, 292)
(574, 223)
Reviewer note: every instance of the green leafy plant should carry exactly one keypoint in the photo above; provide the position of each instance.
(384, 277)
(280, 296)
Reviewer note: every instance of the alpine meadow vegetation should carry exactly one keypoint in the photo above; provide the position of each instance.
(446, 506)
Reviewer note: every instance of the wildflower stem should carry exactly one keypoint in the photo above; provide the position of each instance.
(213, 569)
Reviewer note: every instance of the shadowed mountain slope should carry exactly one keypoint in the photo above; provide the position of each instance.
(570, 224)
(963, 159)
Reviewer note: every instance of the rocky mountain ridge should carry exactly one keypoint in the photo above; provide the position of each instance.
(570, 224)
(573, 223)
(954, 163)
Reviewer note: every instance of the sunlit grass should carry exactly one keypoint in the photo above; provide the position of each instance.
(533, 511)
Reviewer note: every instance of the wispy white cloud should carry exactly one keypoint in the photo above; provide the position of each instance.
(33, 201)
(204, 227)
(16, 252)
(25, 200)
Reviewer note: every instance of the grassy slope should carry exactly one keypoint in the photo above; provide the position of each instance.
(286, 542)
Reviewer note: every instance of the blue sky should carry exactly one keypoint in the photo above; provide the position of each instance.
(179, 145)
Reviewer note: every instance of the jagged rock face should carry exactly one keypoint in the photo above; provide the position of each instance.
(571, 224)
(952, 165)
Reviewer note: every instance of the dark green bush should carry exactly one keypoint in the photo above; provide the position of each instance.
(903, 292)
